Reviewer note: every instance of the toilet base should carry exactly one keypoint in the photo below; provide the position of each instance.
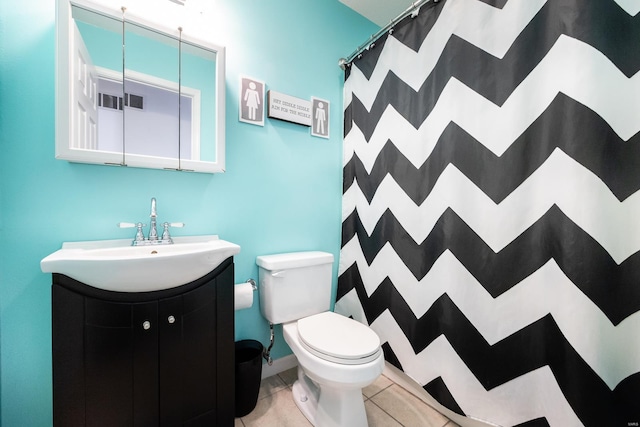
(328, 406)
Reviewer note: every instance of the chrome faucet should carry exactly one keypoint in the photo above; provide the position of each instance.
(153, 230)
(152, 238)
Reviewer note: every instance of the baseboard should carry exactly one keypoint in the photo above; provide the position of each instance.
(279, 365)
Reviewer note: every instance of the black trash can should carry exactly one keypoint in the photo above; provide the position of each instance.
(248, 374)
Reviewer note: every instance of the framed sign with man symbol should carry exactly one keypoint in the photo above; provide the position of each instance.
(320, 117)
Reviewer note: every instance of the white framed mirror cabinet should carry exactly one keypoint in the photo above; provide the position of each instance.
(135, 92)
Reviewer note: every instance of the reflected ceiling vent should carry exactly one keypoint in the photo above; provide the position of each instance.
(134, 101)
(114, 102)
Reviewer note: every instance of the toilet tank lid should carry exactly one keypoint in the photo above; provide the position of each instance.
(293, 260)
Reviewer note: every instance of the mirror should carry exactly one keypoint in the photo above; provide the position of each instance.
(167, 112)
(151, 90)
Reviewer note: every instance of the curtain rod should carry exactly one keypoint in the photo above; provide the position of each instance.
(411, 10)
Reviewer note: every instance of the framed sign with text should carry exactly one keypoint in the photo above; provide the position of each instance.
(289, 108)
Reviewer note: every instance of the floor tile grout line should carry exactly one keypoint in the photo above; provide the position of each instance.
(388, 414)
(378, 392)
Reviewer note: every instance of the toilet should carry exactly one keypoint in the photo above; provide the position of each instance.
(337, 356)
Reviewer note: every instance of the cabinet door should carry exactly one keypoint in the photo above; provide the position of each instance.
(145, 364)
(171, 361)
(225, 327)
(187, 354)
(190, 351)
(67, 357)
(120, 353)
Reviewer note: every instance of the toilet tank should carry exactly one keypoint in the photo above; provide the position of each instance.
(294, 285)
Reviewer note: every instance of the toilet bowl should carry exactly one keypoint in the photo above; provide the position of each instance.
(337, 356)
(333, 396)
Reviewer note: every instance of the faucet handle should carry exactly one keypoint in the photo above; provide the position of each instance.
(139, 233)
(130, 224)
(125, 224)
(165, 231)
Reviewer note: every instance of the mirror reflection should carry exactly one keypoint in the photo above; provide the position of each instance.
(96, 40)
(167, 112)
(198, 64)
(151, 90)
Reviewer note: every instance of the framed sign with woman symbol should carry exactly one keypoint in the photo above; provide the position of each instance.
(251, 101)
(319, 117)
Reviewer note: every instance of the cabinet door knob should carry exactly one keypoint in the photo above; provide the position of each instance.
(146, 325)
(171, 319)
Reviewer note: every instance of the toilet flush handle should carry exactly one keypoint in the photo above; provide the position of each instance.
(280, 273)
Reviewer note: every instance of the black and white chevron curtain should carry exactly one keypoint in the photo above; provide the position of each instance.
(491, 212)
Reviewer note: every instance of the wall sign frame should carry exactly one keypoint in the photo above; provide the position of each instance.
(251, 102)
(320, 113)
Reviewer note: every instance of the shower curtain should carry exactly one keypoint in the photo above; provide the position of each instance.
(491, 212)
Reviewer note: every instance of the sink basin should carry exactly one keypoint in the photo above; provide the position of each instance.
(115, 265)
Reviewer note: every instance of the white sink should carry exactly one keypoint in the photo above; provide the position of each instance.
(115, 265)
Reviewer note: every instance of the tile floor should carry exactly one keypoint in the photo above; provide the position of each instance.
(387, 405)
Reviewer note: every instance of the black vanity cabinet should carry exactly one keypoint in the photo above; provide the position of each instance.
(162, 358)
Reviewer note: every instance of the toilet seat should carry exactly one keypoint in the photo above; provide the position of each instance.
(338, 339)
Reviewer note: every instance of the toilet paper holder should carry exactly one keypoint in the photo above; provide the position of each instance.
(253, 284)
(244, 294)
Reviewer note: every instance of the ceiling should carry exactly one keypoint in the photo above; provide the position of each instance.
(380, 12)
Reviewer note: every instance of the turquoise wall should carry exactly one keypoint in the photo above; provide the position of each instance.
(281, 192)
